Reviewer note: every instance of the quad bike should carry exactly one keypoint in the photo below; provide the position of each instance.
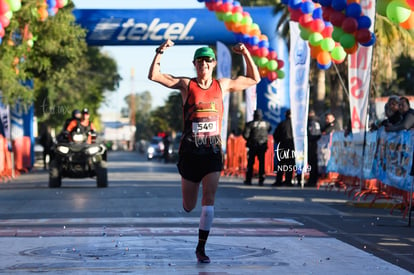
(78, 159)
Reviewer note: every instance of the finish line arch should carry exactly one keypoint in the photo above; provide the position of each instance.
(139, 27)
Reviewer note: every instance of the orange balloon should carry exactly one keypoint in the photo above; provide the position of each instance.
(409, 23)
(264, 37)
(237, 27)
(229, 25)
(324, 58)
(16, 61)
(43, 14)
(263, 72)
(315, 50)
(255, 32)
(351, 50)
(245, 29)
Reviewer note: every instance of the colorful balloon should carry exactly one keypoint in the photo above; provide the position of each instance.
(347, 40)
(338, 54)
(349, 25)
(327, 44)
(398, 11)
(409, 23)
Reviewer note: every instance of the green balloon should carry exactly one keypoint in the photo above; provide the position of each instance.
(280, 74)
(236, 17)
(315, 38)
(338, 53)
(261, 62)
(14, 5)
(227, 17)
(337, 33)
(327, 44)
(247, 20)
(347, 40)
(304, 34)
(220, 16)
(271, 65)
(398, 11)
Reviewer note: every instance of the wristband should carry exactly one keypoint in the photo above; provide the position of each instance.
(157, 50)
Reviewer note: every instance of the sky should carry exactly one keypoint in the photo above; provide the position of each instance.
(178, 61)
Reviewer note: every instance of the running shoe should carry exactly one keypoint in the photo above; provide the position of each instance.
(202, 257)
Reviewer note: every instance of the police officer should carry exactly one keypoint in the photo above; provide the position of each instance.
(314, 134)
(255, 134)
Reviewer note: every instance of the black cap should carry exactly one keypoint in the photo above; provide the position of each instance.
(75, 112)
(85, 111)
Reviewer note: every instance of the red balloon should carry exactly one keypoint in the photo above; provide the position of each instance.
(255, 50)
(272, 75)
(363, 36)
(280, 64)
(2, 32)
(272, 55)
(4, 21)
(327, 31)
(326, 13)
(350, 25)
(305, 20)
(237, 9)
(227, 7)
(317, 25)
(337, 18)
(4, 7)
(295, 15)
(263, 52)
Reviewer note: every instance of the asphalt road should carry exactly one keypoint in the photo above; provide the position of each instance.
(307, 230)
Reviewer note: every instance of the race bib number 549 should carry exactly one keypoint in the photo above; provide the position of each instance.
(205, 127)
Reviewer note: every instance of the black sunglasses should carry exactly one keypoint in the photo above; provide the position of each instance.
(204, 58)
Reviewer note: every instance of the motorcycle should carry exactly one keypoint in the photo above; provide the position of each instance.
(78, 159)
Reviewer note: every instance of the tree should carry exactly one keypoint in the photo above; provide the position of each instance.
(65, 72)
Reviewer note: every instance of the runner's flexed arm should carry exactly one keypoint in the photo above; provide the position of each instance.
(252, 76)
(166, 80)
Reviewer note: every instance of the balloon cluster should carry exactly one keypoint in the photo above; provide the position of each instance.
(400, 12)
(50, 8)
(7, 7)
(246, 31)
(333, 28)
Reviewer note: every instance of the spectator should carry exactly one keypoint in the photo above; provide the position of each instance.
(392, 112)
(46, 140)
(314, 134)
(331, 124)
(285, 152)
(407, 114)
(255, 134)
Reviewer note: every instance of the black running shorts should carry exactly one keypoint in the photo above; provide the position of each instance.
(194, 167)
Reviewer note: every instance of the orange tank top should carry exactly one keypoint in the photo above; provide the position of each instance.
(203, 114)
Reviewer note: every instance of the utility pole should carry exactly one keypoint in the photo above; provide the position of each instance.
(132, 111)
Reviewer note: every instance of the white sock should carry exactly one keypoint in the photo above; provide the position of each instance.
(206, 218)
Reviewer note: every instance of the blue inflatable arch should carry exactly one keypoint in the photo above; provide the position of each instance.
(186, 27)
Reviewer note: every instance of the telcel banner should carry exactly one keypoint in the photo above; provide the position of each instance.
(152, 26)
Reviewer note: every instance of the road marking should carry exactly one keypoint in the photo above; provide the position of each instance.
(146, 221)
(155, 231)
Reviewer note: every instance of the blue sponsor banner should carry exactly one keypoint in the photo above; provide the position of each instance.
(387, 157)
(152, 26)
